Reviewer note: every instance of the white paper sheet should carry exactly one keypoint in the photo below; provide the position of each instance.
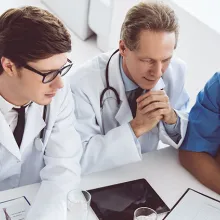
(194, 206)
(15, 209)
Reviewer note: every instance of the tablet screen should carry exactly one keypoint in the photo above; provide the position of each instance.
(118, 202)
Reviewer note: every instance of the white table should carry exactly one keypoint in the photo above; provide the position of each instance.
(160, 168)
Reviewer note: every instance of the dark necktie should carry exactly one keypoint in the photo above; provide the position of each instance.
(132, 100)
(19, 129)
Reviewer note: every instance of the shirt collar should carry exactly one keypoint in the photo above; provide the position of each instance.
(5, 106)
(160, 85)
(129, 85)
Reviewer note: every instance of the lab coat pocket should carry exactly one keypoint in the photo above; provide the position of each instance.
(108, 112)
(8, 164)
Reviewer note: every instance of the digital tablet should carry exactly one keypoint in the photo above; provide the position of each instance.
(118, 202)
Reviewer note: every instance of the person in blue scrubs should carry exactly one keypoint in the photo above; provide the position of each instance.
(200, 150)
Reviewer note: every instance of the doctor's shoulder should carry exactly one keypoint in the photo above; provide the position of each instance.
(88, 74)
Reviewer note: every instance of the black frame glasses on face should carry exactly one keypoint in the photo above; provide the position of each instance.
(50, 76)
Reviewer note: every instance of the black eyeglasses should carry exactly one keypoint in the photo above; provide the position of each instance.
(50, 76)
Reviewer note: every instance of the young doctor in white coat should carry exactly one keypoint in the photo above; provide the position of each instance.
(116, 128)
(38, 141)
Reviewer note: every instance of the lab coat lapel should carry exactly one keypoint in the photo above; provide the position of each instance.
(33, 126)
(7, 139)
(124, 114)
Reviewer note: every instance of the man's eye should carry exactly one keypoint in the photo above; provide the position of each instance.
(166, 61)
(147, 61)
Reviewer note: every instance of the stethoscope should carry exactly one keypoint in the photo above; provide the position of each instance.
(108, 87)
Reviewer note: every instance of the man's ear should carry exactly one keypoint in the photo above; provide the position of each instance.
(122, 48)
(8, 66)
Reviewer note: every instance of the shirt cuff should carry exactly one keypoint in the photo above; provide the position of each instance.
(173, 130)
(133, 134)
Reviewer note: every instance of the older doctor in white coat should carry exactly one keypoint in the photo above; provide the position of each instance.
(38, 141)
(113, 135)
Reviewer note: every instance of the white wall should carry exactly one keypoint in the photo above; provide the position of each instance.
(206, 11)
(5, 5)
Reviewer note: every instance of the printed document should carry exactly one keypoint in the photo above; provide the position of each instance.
(15, 209)
(195, 206)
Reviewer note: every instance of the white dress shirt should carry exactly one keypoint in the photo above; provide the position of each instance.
(11, 116)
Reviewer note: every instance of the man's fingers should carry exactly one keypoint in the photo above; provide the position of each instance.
(154, 106)
(159, 113)
(152, 99)
(150, 93)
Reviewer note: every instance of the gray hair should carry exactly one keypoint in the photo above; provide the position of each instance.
(152, 16)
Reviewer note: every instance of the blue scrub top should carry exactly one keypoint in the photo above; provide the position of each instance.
(203, 132)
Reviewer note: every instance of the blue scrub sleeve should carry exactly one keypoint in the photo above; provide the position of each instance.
(203, 132)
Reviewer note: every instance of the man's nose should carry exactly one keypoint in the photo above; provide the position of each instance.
(57, 82)
(158, 69)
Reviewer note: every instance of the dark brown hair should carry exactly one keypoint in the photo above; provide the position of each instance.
(30, 33)
(152, 16)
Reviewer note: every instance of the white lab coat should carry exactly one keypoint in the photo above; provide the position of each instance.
(55, 161)
(107, 138)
